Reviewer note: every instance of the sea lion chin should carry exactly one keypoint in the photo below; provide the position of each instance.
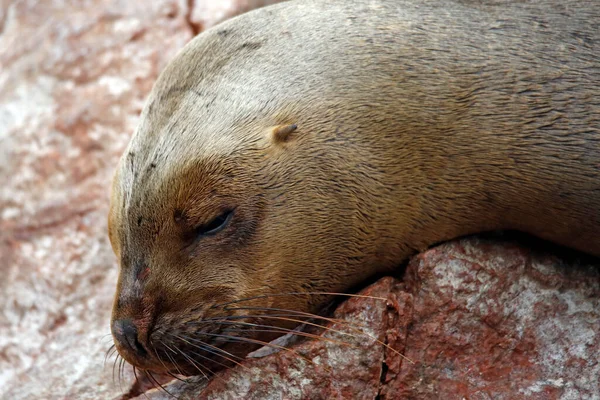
(300, 149)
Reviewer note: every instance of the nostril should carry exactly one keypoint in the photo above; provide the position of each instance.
(126, 334)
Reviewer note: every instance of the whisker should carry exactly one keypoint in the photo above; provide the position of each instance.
(202, 343)
(156, 383)
(218, 349)
(256, 341)
(109, 353)
(311, 316)
(204, 349)
(113, 368)
(277, 329)
(134, 373)
(105, 336)
(297, 314)
(120, 372)
(291, 313)
(123, 369)
(119, 364)
(151, 378)
(163, 364)
(344, 323)
(300, 321)
(203, 346)
(193, 363)
(137, 380)
(264, 296)
(284, 317)
(171, 359)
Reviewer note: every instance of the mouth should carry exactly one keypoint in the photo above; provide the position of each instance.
(191, 352)
(189, 348)
(207, 340)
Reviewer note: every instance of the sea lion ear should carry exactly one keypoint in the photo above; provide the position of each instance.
(282, 133)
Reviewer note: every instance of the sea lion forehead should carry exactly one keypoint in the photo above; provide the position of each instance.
(160, 178)
(181, 126)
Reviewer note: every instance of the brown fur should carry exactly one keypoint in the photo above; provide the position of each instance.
(417, 122)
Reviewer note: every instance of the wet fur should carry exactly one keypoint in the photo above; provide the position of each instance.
(417, 122)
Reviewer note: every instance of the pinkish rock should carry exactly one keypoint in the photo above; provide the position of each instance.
(73, 78)
(208, 13)
(498, 321)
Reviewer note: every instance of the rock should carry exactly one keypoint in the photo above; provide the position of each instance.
(474, 319)
(206, 14)
(495, 320)
(73, 78)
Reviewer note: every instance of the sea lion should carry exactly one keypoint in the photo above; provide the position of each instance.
(299, 149)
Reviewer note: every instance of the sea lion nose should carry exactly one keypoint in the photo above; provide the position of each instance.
(126, 333)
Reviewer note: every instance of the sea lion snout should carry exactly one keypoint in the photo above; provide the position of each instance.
(132, 321)
(125, 333)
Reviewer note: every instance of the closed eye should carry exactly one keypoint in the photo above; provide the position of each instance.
(215, 226)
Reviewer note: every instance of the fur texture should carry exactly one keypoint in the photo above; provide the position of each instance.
(417, 122)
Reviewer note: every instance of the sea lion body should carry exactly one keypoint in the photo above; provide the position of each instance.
(327, 141)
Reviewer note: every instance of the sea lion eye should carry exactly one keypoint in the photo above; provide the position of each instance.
(214, 226)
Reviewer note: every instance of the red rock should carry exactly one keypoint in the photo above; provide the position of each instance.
(499, 321)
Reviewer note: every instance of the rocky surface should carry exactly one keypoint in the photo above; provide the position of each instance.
(498, 321)
(479, 320)
(472, 319)
(206, 14)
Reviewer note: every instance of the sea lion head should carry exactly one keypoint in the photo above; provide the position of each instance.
(231, 204)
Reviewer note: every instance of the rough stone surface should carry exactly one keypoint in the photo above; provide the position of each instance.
(206, 14)
(475, 319)
(480, 320)
(498, 321)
